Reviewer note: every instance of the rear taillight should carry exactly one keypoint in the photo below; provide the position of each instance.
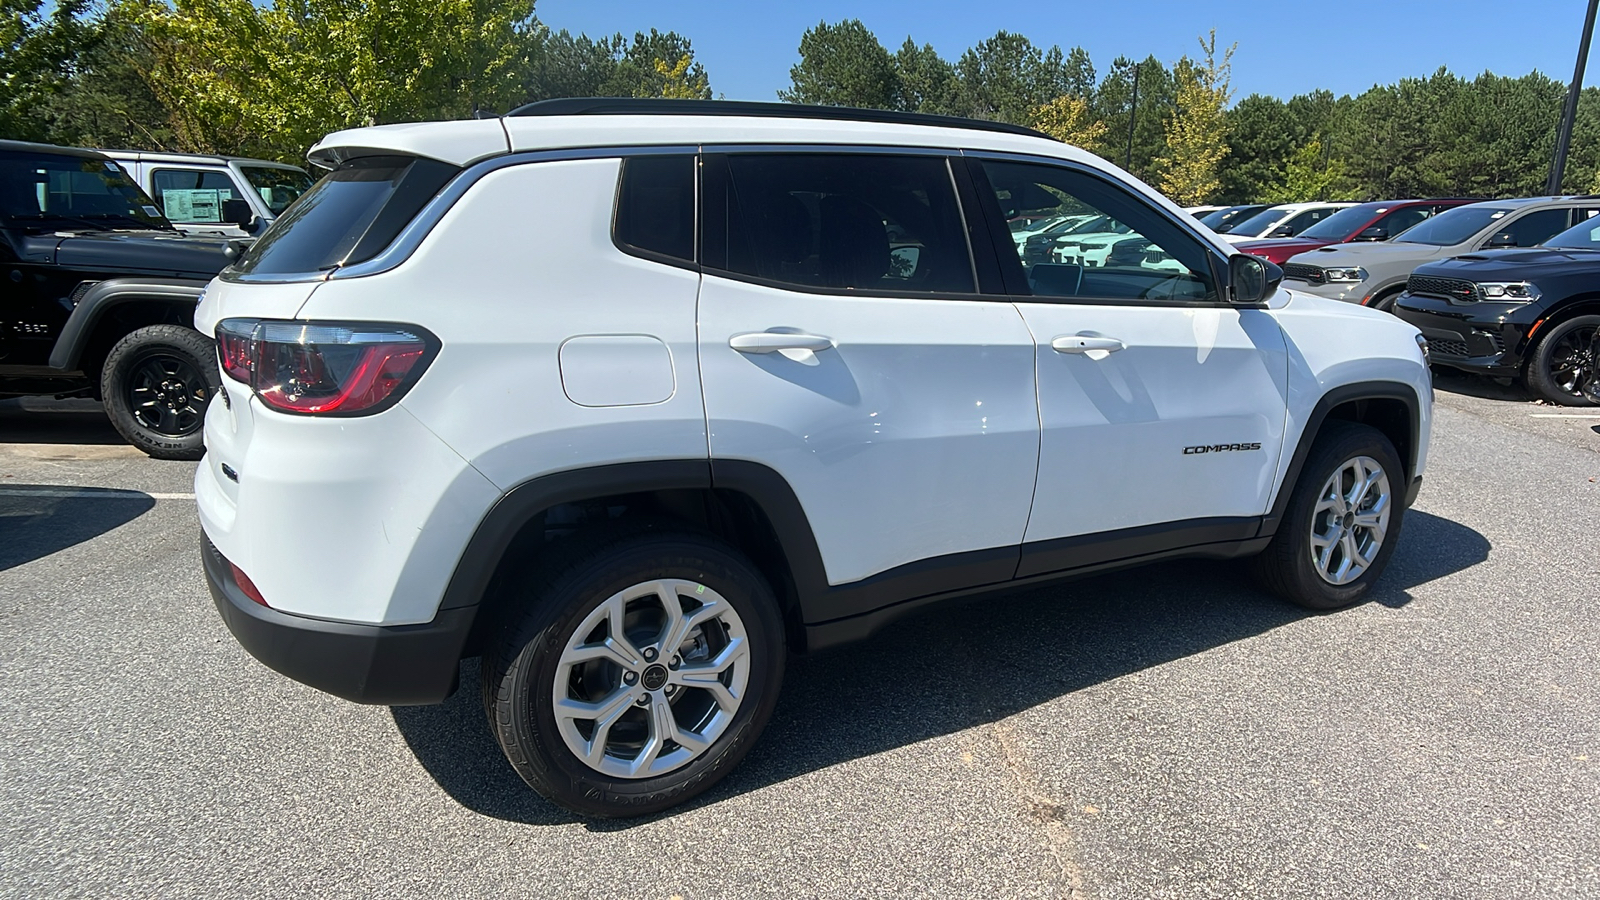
(246, 585)
(323, 368)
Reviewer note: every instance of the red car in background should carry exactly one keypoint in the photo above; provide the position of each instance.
(1379, 220)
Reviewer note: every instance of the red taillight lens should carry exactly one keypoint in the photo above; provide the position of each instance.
(246, 585)
(234, 351)
(324, 369)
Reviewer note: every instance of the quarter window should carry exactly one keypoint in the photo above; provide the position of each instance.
(838, 222)
(1404, 218)
(655, 206)
(192, 195)
(1118, 248)
(1531, 229)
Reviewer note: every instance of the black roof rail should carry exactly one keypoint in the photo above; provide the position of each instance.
(629, 106)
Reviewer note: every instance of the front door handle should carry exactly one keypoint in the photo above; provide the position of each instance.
(773, 341)
(1078, 343)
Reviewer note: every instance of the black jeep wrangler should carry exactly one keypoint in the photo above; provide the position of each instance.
(97, 297)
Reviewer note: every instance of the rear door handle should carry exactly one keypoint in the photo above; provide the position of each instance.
(1077, 343)
(773, 341)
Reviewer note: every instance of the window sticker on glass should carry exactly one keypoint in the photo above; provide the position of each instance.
(151, 211)
(110, 166)
(194, 204)
(1498, 214)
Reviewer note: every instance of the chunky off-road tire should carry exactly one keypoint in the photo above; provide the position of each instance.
(156, 384)
(593, 628)
(1329, 508)
(1563, 362)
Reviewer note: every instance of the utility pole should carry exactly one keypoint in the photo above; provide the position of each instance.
(1558, 165)
(1133, 108)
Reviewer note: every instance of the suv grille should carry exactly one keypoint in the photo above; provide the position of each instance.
(1451, 288)
(1454, 349)
(1303, 272)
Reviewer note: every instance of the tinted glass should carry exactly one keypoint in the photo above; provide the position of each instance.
(1344, 224)
(1258, 224)
(278, 187)
(655, 205)
(347, 217)
(1402, 219)
(843, 222)
(191, 195)
(1454, 225)
(1301, 222)
(1127, 250)
(1583, 236)
(47, 191)
(1532, 228)
(1223, 220)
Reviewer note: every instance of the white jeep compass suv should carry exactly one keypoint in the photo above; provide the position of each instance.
(632, 399)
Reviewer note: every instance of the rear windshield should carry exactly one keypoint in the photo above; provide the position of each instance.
(1223, 221)
(1582, 236)
(347, 217)
(49, 191)
(1345, 223)
(1453, 225)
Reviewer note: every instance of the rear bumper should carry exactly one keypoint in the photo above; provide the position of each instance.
(393, 665)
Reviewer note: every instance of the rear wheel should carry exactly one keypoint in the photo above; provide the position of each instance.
(639, 673)
(1340, 525)
(156, 384)
(1562, 368)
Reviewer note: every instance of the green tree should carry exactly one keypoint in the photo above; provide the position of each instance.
(1070, 121)
(843, 65)
(1113, 100)
(37, 49)
(564, 65)
(108, 102)
(1197, 131)
(927, 82)
(1308, 175)
(1006, 77)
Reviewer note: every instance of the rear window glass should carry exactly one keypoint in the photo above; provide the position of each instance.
(655, 206)
(347, 217)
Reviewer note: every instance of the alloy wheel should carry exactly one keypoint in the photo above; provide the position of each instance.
(1572, 361)
(167, 395)
(651, 678)
(1350, 520)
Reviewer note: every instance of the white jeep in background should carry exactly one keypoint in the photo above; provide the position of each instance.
(633, 399)
(230, 196)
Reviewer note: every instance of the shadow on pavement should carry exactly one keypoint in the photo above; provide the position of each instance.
(950, 669)
(1455, 381)
(33, 420)
(38, 520)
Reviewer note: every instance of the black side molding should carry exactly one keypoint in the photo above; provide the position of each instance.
(97, 300)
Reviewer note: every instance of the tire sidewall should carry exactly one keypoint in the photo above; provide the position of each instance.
(531, 714)
(136, 347)
(1538, 377)
(1344, 442)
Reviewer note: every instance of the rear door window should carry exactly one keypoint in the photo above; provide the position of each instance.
(192, 195)
(838, 222)
(347, 217)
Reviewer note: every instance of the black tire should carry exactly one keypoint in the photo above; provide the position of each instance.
(1563, 364)
(156, 384)
(1386, 301)
(1287, 567)
(581, 575)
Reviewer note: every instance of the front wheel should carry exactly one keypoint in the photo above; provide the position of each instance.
(1341, 523)
(640, 672)
(1562, 367)
(156, 383)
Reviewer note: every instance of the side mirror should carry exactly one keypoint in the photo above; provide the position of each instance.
(1282, 231)
(237, 212)
(1503, 239)
(1251, 279)
(1375, 233)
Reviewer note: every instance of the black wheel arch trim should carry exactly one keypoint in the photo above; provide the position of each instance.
(1333, 398)
(98, 300)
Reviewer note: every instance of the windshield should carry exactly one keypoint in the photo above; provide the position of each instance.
(1260, 222)
(1583, 236)
(278, 187)
(50, 191)
(1453, 225)
(1345, 223)
(1223, 220)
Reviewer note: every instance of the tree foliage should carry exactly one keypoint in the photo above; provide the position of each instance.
(843, 65)
(1197, 131)
(1070, 121)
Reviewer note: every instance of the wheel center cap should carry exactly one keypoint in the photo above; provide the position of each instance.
(654, 677)
(1349, 521)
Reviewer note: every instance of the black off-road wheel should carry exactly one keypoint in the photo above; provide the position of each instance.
(156, 384)
(639, 668)
(1341, 523)
(1563, 367)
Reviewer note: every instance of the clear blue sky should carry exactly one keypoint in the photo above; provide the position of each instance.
(1285, 47)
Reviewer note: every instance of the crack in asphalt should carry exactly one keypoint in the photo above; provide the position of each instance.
(1045, 813)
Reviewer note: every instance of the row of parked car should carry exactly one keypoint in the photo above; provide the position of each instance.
(1505, 288)
(105, 255)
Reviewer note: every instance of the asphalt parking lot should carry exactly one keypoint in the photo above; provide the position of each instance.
(1169, 732)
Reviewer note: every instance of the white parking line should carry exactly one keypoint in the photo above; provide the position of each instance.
(1565, 415)
(92, 493)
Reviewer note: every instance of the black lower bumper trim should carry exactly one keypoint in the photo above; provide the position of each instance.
(392, 665)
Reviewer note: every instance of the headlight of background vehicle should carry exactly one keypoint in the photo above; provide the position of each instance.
(1508, 290)
(1353, 274)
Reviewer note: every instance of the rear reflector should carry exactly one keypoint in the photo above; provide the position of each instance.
(246, 585)
(323, 369)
